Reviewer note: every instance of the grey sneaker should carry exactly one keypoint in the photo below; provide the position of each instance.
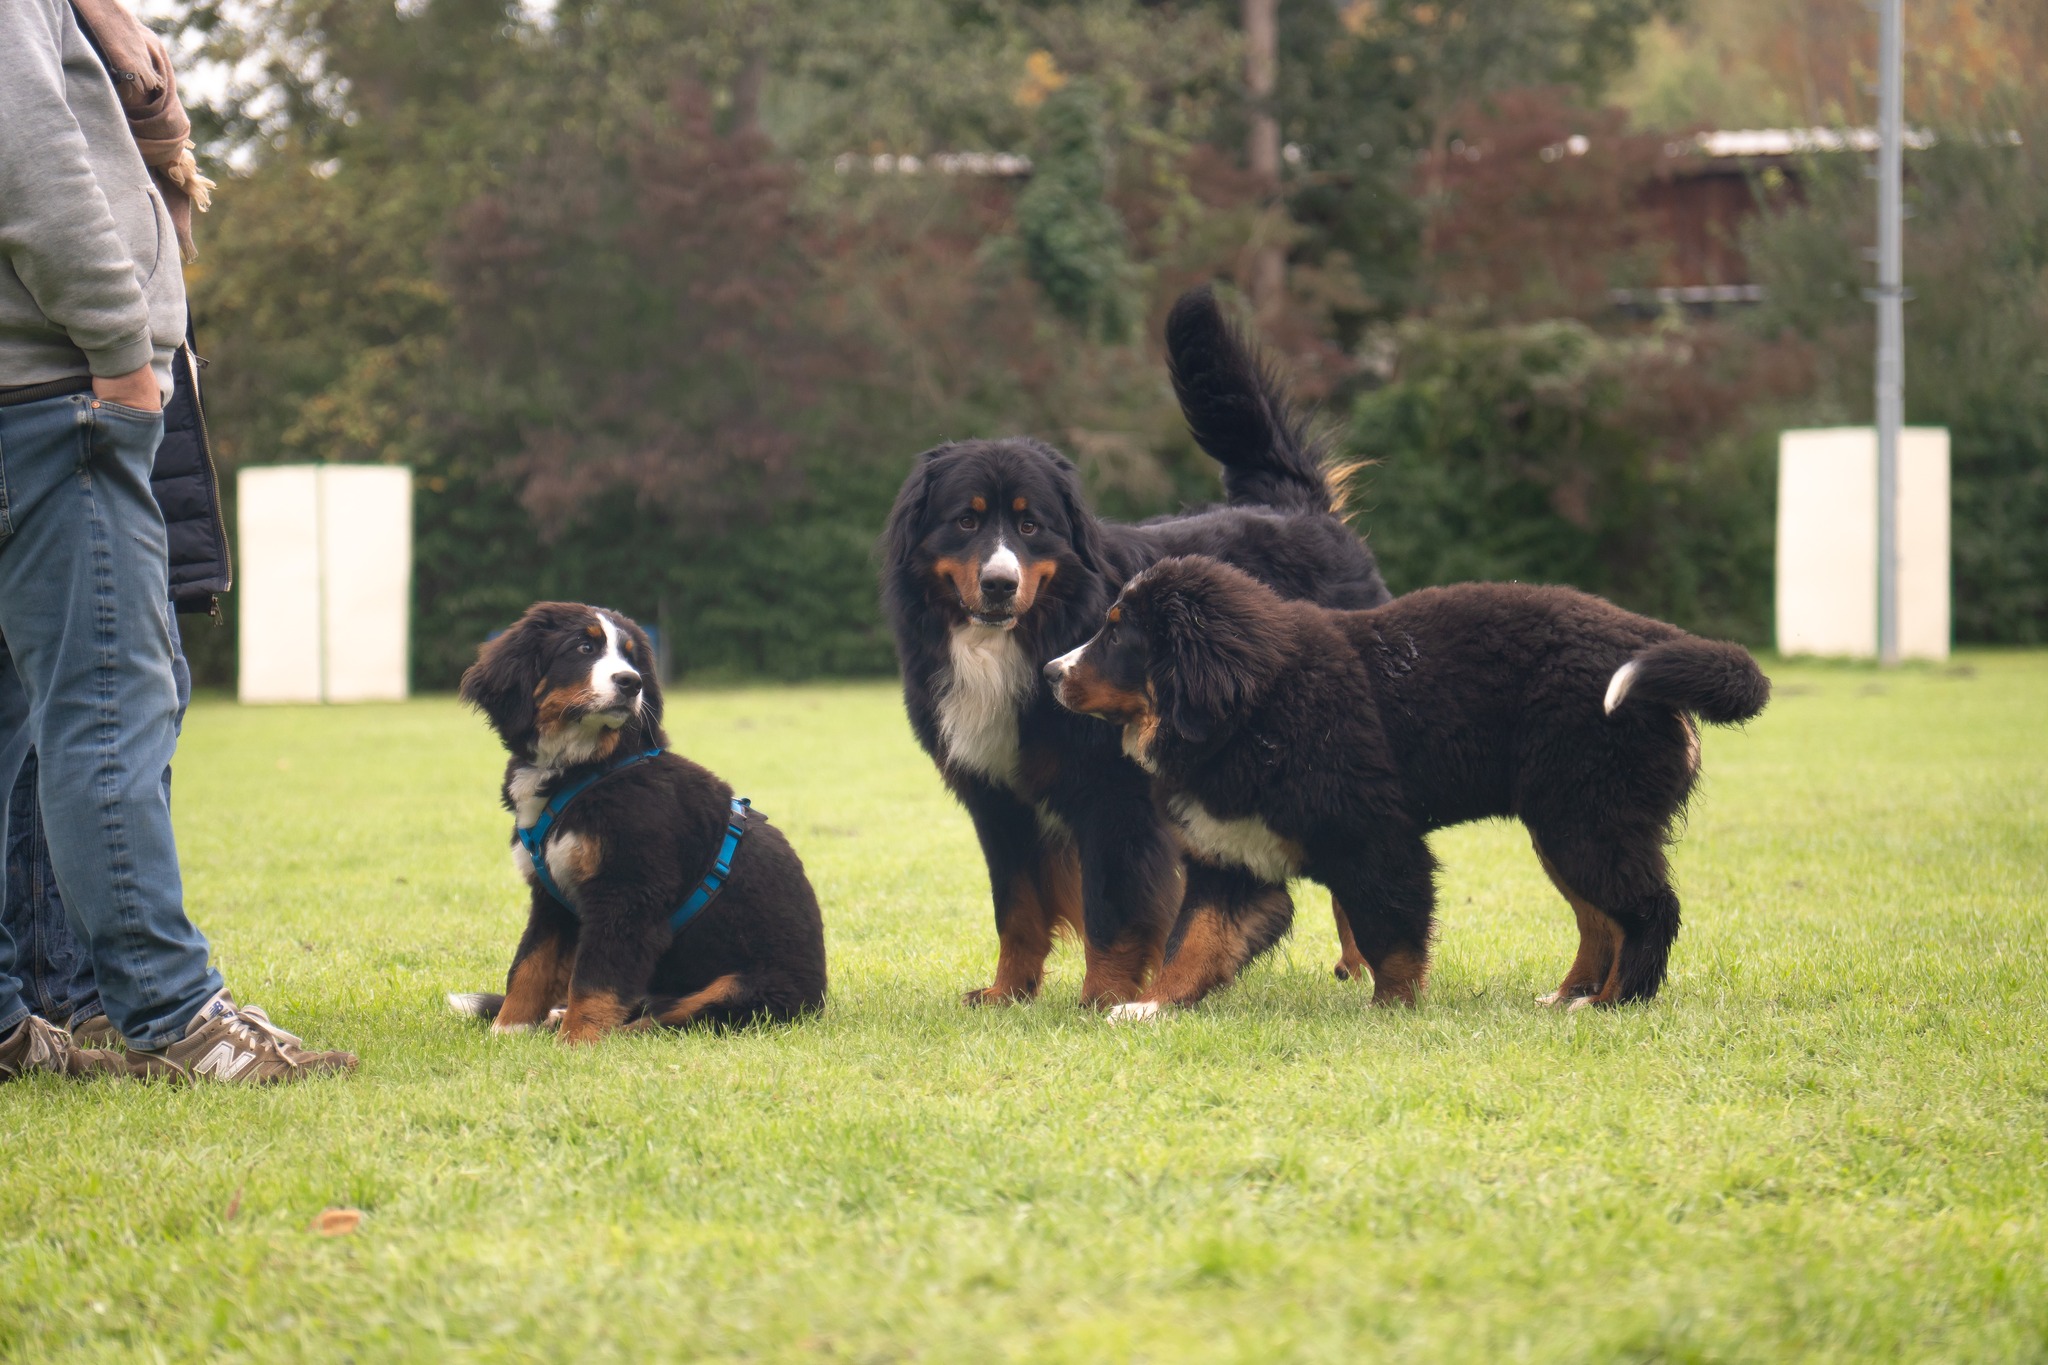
(230, 1042)
(36, 1044)
(98, 1031)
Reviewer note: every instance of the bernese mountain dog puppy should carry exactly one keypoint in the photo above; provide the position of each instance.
(657, 898)
(994, 563)
(1296, 741)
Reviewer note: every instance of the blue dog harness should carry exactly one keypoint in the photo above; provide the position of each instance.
(533, 838)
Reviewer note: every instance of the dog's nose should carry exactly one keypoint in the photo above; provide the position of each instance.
(998, 583)
(1056, 670)
(628, 684)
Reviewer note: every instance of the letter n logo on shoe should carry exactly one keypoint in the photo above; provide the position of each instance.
(223, 1063)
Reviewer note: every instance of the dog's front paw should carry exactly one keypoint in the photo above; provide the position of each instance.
(1136, 1012)
(991, 995)
(1571, 997)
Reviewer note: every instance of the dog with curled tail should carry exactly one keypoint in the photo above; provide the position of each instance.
(1299, 741)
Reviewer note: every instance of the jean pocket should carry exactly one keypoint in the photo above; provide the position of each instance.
(108, 405)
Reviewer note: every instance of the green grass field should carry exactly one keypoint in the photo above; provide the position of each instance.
(1827, 1140)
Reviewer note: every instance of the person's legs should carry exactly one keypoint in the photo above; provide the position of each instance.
(54, 967)
(87, 629)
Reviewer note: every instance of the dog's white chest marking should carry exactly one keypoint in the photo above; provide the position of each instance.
(1247, 841)
(986, 681)
(564, 852)
(563, 849)
(521, 864)
(524, 789)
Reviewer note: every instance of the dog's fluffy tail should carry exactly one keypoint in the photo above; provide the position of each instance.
(475, 1004)
(1712, 679)
(1237, 409)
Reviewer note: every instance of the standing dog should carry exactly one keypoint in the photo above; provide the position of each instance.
(658, 898)
(1326, 744)
(993, 564)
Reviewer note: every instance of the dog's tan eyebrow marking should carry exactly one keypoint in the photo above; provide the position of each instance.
(979, 504)
(1018, 505)
(1116, 614)
(595, 632)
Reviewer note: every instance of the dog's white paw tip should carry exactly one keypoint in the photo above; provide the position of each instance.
(1550, 999)
(1579, 1004)
(1137, 1012)
(511, 1028)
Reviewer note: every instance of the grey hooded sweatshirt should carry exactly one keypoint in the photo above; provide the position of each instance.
(90, 281)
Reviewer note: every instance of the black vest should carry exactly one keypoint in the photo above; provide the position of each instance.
(188, 491)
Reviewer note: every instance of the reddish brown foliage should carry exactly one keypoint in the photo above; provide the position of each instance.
(647, 319)
(1530, 222)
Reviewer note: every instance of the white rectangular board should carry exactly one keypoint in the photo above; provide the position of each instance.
(277, 601)
(1827, 542)
(366, 546)
(325, 557)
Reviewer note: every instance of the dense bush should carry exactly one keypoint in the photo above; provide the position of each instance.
(1640, 468)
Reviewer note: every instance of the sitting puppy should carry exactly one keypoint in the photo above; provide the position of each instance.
(1295, 740)
(658, 898)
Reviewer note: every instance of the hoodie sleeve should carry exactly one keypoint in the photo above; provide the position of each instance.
(56, 229)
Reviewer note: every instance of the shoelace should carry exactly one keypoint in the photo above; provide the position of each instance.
(255, 1018)
(252, 1028)
(44, 1046)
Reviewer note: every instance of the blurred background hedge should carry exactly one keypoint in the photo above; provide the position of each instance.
(659, 302)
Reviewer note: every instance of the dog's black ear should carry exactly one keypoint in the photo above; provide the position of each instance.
(1190, 681)
(1083, 531)
(906, 518)
(1211, 659)
(501, 681)
(650, 680)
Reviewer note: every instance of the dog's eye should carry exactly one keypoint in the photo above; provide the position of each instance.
(969, 522)
(586, 648)
(1027, 527)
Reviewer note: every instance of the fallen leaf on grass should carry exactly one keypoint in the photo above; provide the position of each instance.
(338, 1222)
(234, 1206)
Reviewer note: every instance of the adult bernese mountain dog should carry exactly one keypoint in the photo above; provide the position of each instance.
(993, 564)
(662, 899)
(1293, 740)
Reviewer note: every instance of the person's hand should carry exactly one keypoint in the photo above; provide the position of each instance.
(133, 390)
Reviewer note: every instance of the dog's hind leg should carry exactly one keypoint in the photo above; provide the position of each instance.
(682, 1011)
(733, 999)
(1599, 942)
(1350, 962)
(1619, 887)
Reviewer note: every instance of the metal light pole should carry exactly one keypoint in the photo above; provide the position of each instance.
(1891, 323)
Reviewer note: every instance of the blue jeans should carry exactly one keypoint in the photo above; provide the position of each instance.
(88, 681)
(53, 967)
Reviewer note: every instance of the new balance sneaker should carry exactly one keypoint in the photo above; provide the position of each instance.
(98, 1031)
(36, 1044)
(230, 1042)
